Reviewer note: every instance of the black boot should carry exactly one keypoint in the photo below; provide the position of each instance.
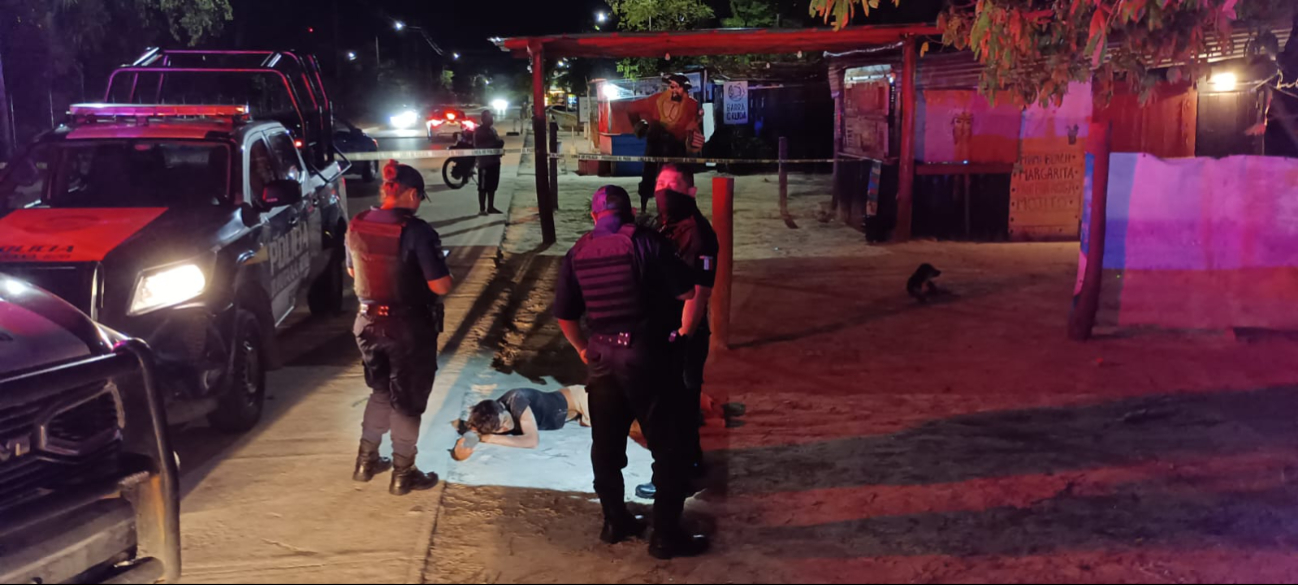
(407, 478)
(676, 544)
(368, 462)
(491, 204)
(623, 527)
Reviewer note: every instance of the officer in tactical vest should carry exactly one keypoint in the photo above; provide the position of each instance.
(627, 282)
(401, 273)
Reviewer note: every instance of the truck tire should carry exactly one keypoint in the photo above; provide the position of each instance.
(325, 298)
(243, 396)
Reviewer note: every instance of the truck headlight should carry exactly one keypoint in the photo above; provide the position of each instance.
(167, 286)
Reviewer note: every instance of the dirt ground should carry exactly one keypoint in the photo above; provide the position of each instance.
(887, 441)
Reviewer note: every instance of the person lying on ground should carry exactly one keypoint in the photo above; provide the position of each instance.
(516, 419)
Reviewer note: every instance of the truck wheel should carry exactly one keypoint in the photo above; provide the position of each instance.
(326, 295)
(367, 173)
(244, 393)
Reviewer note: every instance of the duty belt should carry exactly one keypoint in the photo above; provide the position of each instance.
(377, 310)
(618, 339)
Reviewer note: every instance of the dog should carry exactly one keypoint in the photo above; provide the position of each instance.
(921, 285)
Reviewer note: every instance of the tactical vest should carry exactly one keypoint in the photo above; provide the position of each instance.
(606, 270)
(376, 258)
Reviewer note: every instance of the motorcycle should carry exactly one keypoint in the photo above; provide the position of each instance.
(458, 171)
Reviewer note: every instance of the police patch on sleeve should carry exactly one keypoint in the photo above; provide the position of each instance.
(709, 263)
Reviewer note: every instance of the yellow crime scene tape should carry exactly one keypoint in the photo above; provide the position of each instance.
(434, 154)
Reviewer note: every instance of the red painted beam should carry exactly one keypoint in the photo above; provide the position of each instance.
(714, 42)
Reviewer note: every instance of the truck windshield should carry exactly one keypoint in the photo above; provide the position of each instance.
(128, 173)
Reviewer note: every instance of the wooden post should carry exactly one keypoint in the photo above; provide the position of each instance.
(554, 165)
(784, 185)
(1087, 303)
(723, 222)
(543, 197)
(836, 81)
(906, 180)
(968, 205)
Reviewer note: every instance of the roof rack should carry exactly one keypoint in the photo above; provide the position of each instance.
(95, 112)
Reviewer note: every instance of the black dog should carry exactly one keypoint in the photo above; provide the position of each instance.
(921, 284)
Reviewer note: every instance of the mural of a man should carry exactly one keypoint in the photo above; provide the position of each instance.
(670, 124)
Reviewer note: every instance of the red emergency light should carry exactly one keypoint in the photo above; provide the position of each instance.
(450, 115)
(157, 110)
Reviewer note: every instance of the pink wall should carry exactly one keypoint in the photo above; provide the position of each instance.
(1202, 243)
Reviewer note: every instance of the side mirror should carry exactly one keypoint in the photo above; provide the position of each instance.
(279, 194)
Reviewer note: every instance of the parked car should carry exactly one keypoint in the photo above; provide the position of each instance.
(88, 482)
(348, 139)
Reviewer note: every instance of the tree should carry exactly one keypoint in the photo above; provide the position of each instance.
(65, 41)
(657, 15)
(1035, 48)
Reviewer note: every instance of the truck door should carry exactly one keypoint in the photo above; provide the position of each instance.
(308, 255)
(276, 231)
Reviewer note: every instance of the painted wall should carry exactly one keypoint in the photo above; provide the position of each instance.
(1202, 243)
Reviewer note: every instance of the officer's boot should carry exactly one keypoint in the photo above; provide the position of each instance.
(670, 544)
(407, 478)
(620, 524)
(368, 462)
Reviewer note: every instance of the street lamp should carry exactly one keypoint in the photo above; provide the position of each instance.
(351, 55)
(600, 17)
(399, 25)
(455, 56)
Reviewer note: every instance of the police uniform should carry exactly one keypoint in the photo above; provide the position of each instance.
(696, 243)
(394, 255)
(625, 280)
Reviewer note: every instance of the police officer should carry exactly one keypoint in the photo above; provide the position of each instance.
(400, 271)
(627, 280)
(695, 243)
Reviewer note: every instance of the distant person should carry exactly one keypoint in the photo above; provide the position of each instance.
(669, 122)
(515, 419)
(488, 165)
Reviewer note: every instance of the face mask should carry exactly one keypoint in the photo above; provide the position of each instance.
(674, 204)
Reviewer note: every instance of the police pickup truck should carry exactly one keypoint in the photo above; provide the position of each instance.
(192, 227)
(89, 491)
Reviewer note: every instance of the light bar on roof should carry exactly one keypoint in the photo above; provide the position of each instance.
(158, 110)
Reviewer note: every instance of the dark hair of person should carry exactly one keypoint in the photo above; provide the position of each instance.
(485, 417)
(684, 172)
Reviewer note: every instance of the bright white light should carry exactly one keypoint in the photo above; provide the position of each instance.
(611, 92)
(600, 17)
(404, 120)
(500, 106)
(455, 55)
(1224, 81)
(351, 55)
(399, 25)
(167, 287)
(15, 287)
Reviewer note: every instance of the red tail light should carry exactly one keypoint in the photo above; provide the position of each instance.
(297, 143)
(436, 123)
(470, 125)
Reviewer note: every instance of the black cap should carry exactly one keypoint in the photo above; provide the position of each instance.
(680, 80)
(611, 198)
(405, 175)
